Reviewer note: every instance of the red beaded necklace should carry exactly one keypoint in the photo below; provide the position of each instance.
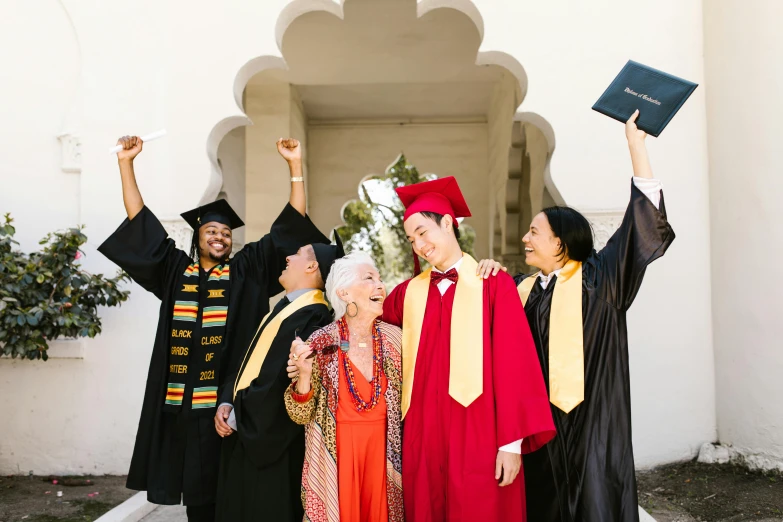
(377, 367)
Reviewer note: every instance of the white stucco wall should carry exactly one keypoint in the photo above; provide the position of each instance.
(70, 415)
(745, 78)
(39, 90)
(140, 69)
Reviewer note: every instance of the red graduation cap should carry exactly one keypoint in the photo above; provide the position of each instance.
(442, 196)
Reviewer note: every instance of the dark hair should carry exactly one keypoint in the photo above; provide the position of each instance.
(437, 218)
(573, 230)
(195, 250)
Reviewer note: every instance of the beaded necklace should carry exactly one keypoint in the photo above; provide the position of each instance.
(377, 367)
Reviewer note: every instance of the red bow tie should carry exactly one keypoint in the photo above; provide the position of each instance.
(437, 277)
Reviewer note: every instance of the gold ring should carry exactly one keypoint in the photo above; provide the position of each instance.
(295, 357)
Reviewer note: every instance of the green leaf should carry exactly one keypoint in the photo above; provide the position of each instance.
(30, 313)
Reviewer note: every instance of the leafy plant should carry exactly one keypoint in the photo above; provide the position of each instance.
(46, 295)
(373, 223)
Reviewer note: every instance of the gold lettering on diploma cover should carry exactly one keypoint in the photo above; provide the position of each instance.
(185, 334)
(215, 339)
(178, 368)
(216, 293)
(189, 288)
(642, 96)
(179, 350)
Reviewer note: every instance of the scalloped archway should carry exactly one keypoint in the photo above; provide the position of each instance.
(363, 79)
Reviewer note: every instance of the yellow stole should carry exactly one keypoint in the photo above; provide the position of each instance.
(566, 341)
(467, 334)
(257, 355)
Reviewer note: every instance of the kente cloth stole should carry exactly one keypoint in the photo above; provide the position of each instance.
(566, 337)
(198, 330)
(257, 351)
(466, 354)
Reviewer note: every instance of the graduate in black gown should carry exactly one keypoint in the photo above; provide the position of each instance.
(210, 303)
(263, 452)
(576, 307)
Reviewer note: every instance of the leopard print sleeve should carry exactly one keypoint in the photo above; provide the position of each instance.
(304, 412)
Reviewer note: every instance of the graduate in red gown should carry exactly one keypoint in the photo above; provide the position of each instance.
(473, 398)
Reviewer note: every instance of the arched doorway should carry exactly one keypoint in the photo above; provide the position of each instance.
(360, 83)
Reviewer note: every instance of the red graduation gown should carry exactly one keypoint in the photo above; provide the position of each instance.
(449, 451)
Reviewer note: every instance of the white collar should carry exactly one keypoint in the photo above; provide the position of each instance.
(546, 279)
(298, 293)
(455, 266)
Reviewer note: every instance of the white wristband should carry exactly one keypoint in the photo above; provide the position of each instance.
(296, 179)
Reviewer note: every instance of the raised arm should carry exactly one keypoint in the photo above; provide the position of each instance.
(644, 234)
(639, 158)
(131, 147)
(140, 245)
(291, 151)
(264, 259)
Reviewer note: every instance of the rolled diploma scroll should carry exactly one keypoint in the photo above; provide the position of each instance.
(149, 137)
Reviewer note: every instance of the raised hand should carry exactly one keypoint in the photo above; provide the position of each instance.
(299, 366)
(131, 146)
(290, 149)
(637, 147)
(632, 132)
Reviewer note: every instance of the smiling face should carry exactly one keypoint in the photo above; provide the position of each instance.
(214, 241)
(368, 291)
(298, 267)
(434, 242)
(542, 248)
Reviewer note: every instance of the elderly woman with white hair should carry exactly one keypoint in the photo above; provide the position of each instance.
(346, 391)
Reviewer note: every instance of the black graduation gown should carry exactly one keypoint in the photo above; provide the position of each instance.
(586, 473)
(176, 456)
(261, 463)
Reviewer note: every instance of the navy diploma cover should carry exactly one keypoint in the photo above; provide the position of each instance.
(656, 94)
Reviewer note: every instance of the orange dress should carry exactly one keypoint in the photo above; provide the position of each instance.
(361, 451)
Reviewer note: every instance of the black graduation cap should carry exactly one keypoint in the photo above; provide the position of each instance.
(218, 211)
(326, 255)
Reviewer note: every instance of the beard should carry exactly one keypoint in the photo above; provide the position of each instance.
(218, 258)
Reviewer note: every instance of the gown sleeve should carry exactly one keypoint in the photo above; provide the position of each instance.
(262, 261)
(393, 305)
(142, 248)
(521, 399)
(263, 423)
(643, 237)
